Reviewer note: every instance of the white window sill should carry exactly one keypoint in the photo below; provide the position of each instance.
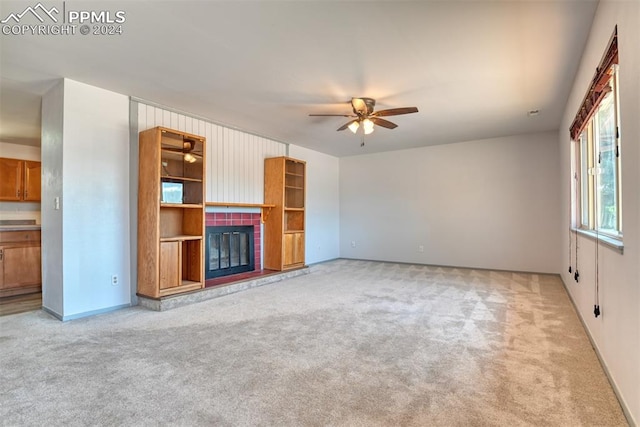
(609, 241)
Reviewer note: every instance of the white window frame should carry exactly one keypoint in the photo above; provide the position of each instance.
(587, 153)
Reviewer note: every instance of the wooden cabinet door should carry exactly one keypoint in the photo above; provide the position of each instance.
(22, 266)
(293, 249)
(287, 249)
(32, 180)
(11, 179)
(170, 265)
(298, 248)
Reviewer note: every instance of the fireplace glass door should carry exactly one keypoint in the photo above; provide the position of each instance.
(229, 250)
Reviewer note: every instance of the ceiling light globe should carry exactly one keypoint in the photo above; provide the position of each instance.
(368, 126)
(353, 127)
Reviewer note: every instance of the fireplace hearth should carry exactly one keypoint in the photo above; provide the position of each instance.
(229, 250)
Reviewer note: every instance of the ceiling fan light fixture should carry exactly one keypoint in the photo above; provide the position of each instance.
(364, 115)
(189, 158)
(367, 126)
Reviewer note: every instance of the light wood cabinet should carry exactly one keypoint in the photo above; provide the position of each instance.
(171, 185)
(285, 187)
(170, 262)
(32, 181)
(293, 248)
(19, 180)
(20, 262)
(11, 179)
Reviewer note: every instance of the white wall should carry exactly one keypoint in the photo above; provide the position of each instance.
(616, 333)
(323, 204)
(489, 204)
(17, 151)
(51, 234)
(20, 210)
(95, 205)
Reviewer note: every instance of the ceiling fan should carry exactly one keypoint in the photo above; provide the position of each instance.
(363, 114)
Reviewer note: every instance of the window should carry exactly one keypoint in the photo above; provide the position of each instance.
(599, 166)
(596, 132)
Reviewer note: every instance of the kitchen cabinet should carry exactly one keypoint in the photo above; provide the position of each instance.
(20, 262)
(20, 180)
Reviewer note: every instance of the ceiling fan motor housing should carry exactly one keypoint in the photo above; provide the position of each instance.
(363, 106)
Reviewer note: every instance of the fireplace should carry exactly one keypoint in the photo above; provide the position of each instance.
(229, 250)
(226, 221)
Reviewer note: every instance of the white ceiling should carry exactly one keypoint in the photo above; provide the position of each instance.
(473, 68)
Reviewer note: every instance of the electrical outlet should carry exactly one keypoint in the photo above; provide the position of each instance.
(114, 279)
(420, 248)
(353, 243)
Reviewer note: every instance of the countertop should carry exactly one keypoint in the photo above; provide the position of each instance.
(19, 227)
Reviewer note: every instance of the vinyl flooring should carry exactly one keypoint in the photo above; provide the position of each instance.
(20, 303)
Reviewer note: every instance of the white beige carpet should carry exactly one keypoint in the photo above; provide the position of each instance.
(353, 343)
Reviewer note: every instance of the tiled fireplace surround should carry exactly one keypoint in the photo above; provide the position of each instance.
(214, 219)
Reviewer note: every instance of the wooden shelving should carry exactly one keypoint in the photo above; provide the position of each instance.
(180, 178)
(170, 212)
(285, 187)
(180, 238)
(181, 206)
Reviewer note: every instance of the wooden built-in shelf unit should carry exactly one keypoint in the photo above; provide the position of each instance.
(285, 187)
(171, 186)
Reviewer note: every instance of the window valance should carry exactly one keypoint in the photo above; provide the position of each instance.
(598, 89)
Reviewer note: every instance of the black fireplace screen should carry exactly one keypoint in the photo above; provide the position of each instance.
(229, 250)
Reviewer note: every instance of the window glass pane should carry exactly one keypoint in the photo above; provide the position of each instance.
(584, 179)
(224, 251)
(235, 249)
(244, 249)
(607, 178)
(214, 251)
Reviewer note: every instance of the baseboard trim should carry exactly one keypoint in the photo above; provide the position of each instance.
(461, 267)
(84, 314)
(51, 312)
(323, 262)
(605, 368)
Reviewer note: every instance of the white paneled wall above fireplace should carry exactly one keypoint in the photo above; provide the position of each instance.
(235, 159)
